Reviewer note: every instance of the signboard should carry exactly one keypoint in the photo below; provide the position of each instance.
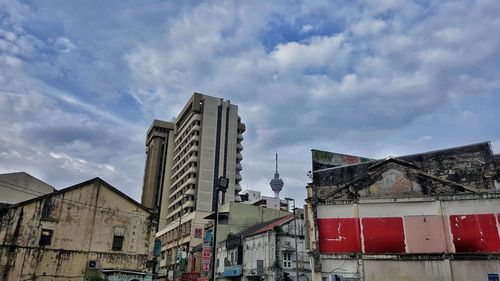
(232, 271)
(157, 248)
(493, 277)
(197, 233)
(205, 266)
(206, 253)
(208, 236)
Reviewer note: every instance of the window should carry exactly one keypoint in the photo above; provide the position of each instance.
(47, 208)
(287, 259)
(46, 237)
(117, 243)
(118, 238)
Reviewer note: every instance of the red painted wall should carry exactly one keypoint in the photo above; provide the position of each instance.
(475, 233)
(424, 234)
(339, 235)
(383, 235)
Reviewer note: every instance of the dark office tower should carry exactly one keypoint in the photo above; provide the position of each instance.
(156, 159)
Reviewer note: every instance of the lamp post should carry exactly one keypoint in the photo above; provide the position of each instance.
(296, 247)
(221, 186)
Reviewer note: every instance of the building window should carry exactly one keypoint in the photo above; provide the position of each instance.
(45, 237)
(287, 260)
(117, 242)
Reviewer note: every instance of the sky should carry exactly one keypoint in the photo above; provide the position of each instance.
(80, 81)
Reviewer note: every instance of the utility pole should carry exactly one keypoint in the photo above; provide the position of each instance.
(221, 186)
(296, 247)
(177, 247)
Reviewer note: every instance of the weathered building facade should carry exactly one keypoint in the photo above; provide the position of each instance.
(89, 228)
(233, 218)
(265, 251)
(429, 216)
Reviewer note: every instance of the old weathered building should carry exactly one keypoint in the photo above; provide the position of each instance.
(428, 216)
(233, 218)
(265, 251)
(89, 228)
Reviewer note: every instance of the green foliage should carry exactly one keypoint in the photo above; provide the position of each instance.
(279, 230)
(95, 276)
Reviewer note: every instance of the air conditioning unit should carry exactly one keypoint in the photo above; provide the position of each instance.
(93, 264)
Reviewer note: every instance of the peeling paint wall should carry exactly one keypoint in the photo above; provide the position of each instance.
(428, 216)
(410, 227)
(83, 222)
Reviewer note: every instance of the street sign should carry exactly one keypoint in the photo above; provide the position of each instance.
(206, 253)
(205, 266)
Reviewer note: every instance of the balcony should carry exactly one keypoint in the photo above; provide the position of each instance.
(240, 137)
(237, 188)
(195, 138)
(190, 192)
(238, 177)
(239, 147)
(239, 156)
(188, 204)
(237, 198)
(238, 167)
(196, 117)
(242, 127)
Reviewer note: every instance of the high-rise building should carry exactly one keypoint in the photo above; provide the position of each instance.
(185, 159)
(154, 169)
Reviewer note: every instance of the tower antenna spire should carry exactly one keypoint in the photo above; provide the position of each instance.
(276, 183)
(276, 160)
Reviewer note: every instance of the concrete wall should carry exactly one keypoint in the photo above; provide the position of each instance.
(473, 270)
(411, 270)
(81, 232)
(407, 270)
(18, 187)
(243, 216)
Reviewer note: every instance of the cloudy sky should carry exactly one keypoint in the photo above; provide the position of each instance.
(80, 81)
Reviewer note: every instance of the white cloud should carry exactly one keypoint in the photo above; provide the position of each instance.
(64, 45)
(315, 52)
(367, 27)
(306, 28)
(373, 77)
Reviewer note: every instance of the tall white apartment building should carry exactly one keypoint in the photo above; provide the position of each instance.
(202, 144)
